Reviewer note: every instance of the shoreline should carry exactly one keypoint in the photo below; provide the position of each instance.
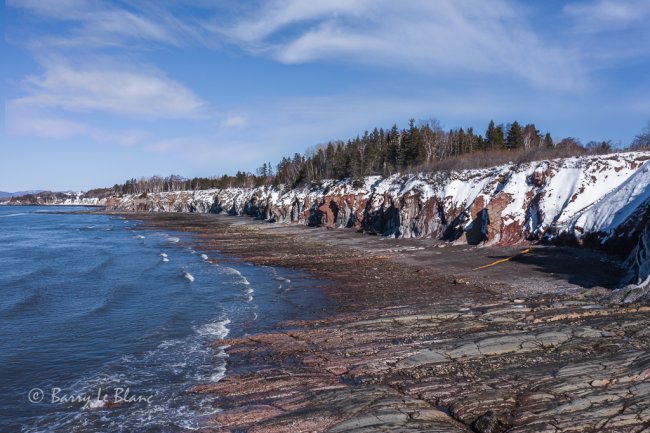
(422, 341)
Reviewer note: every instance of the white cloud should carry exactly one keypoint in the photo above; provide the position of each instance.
(102, 85)
(96, 23)
(22, 121)
(608, 15)
(278, 14)
(493, 37)
(497, 39)
(83, 77)
(234, 122)
(610, 34)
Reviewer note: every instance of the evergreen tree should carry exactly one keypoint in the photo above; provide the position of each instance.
(494, 136)
(548, 141)
(489, 134)
(382, 152)
(515, 138)
(394, 153)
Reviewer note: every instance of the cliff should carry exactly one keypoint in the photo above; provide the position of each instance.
(48, 198)
(602, 201)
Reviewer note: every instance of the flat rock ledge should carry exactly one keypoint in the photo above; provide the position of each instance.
(419, 344)
(534, 367)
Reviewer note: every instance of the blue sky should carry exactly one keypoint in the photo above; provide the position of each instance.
(96, 92)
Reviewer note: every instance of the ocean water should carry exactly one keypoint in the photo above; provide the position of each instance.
(89, 309)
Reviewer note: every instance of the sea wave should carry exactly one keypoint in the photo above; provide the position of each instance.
(113, 298)
(26, 304)
(184, 362)
(98, 268)
(14, 214)
(218, 329)
(239, 276)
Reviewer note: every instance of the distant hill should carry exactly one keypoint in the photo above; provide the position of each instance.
(4, 194)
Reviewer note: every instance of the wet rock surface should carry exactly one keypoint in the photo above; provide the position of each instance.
(512, 349)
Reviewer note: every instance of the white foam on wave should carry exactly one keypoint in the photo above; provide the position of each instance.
(248, 290)
(14, 214)
(95, 404)
(192, 360)
(188, 361)
(189, 277)
(163, 255)
(173, 239)
(218, 329)
(219, 374)
(286, 280)
(231, 271)
(165, 259)
(204, 256)
(178, 367)
(138, 237)
(248, 297)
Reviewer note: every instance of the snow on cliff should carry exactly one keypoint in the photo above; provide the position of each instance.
(602, 199)
(611, 210)
(583, 194)
(47, 198)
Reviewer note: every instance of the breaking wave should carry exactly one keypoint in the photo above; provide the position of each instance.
(239, 277)
(183, 363)
(98, 309)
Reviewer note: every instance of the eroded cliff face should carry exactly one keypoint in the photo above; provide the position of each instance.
(501, 205)
(603, 201)
(58, 199)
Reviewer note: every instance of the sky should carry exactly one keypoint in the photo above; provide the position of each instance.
(96, 92)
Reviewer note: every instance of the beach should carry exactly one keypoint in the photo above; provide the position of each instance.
(92, 307)
(423, 340)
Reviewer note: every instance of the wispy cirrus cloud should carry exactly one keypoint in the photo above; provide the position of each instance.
(100, 84)
(467, 35)
(610, 33)
(205, 79)
(100, 24)
(608, 15)
(84, 81)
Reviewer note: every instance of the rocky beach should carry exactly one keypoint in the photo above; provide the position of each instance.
(428, 337)
(358, 216)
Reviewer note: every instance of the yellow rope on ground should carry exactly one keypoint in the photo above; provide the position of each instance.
(526, 251)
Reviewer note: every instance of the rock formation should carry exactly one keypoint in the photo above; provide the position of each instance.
(600, 201)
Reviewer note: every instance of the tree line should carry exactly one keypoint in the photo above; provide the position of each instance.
(419, 147)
